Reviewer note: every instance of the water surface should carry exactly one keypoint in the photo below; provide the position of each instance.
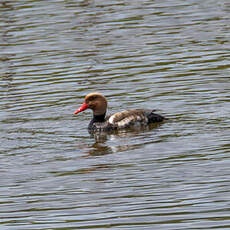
(172, 56)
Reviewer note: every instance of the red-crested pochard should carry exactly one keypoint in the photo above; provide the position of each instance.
(120, 120)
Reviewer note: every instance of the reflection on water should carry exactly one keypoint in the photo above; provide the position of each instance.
(120, 139)
(166, 55)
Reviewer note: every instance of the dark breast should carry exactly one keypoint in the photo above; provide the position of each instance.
(101, 126)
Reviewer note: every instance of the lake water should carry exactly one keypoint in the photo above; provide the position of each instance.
(172, 56)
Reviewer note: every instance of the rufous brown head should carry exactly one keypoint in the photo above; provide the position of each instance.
(94, 101)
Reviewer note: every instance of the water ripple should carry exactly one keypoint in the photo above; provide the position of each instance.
(171, 56)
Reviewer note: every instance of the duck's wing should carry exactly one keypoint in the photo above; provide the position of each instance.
(128, 118)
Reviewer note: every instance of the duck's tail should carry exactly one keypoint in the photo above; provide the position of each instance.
(153, 117)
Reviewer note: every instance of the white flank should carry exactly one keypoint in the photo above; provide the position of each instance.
(124, 122)
(111, 119)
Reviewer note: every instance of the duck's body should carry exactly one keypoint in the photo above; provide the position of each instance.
(124, 119)
(120, 120)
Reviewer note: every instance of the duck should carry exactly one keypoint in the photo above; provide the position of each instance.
(117, 121)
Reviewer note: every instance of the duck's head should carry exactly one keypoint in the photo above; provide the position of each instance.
(94, 101)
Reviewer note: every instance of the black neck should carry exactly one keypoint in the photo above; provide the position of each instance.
(96, 118)
(99, 118)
